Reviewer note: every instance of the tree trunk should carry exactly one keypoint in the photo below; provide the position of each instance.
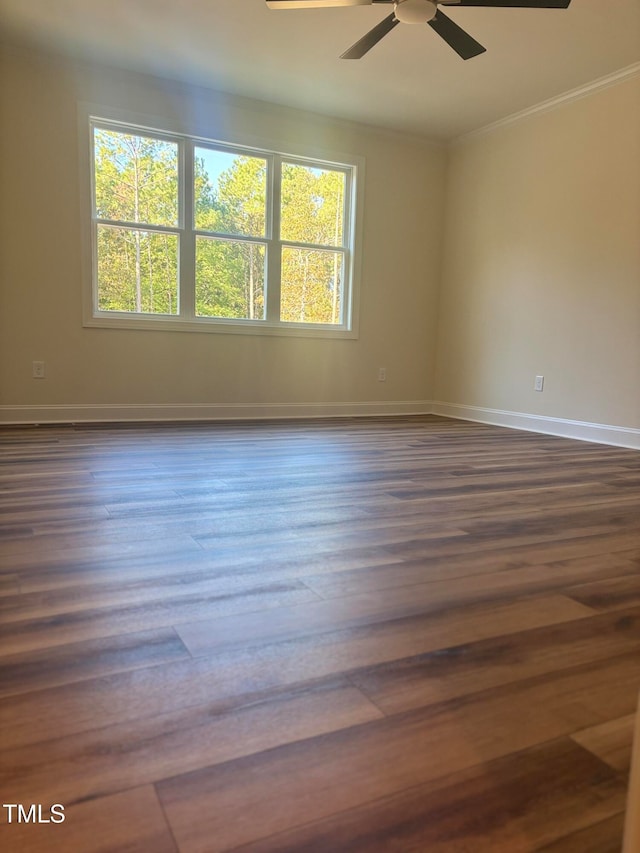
(305, 278)
(252, 285)
(334, 301)
(151, 305)
(136, 216)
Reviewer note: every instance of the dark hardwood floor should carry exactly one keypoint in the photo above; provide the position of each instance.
(414, 635)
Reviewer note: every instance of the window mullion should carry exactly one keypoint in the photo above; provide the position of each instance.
(274, 250)
(317, 247)
(187, 253)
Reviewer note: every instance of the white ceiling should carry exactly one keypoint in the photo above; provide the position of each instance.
(411, 81)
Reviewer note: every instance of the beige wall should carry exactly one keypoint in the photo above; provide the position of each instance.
(41, 273)
(541, 264)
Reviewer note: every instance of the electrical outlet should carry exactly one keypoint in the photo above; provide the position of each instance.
(539, 383)
(38, 370)
(382, 374)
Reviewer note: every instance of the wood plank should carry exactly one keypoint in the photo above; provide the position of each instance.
(173, 567)
(131, 820)
(452, 591)
(414, 682)
(610, 741)
(45, 549)
(510, 503)
(602, 837)
(609, 593)
(334, 537)
(552, 790)
(53, 667)
(437, 630)
(225, 806)
(73, 627)
(239, 675)
(150, 748)
(65, 514)
(479, 541)
(98, 597)
(9, 584)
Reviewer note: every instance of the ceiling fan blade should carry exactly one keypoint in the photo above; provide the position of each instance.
(455, 36)
(521, 4)
(320, 4)
(358, 50)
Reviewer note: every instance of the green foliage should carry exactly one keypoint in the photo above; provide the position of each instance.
(229, 279)
(230, 274)
(236, 204)
(311, 286)
(137, 271)
(312, 205)
(136, 182)
(136, 178)
(312, 212)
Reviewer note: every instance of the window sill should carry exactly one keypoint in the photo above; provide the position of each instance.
(225, 327)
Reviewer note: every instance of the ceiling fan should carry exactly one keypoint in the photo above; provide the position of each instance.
(418, 12)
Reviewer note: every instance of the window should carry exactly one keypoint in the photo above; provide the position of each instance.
(192, 233)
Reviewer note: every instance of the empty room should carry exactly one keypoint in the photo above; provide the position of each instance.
(320, 426)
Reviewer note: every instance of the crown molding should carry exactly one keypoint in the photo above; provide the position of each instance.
(613, 79)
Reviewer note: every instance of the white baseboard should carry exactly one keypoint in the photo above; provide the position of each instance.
(205, 412)
(581, 430)
(103, 413)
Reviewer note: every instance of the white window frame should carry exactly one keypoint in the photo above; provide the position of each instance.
(186, 320)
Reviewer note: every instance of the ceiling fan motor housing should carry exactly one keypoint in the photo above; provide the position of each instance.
(414, 11)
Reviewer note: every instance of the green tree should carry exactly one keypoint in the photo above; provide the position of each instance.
(136, 188)
(312, 212)
(230, 274)
(136, 181)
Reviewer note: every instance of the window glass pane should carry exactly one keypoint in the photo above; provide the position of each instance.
(229, 279)
(312, 207)
(230, 193)
(137, 271)
(311, 289)
(136, 178)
